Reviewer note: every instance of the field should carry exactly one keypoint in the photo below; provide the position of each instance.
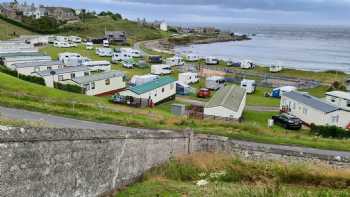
(232, 176)
(7, 31)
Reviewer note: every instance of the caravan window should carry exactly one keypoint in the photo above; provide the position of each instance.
(49, 68)
(348, 103)
(72, 75)
(93, 85)
(171, 86)
(60, 77)
(86, 73)
(163, 90)
(107, 82)
(87, 86)
(335, 119)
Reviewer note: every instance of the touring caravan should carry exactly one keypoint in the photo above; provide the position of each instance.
(275, 68)
(61, 44)
(74, 39)
(61, 39)
(104, 52)
(192, 57)
(211, 61)
(247, 64)
(98, 65)
(132, 52)
(128, 63)
(248, 85)
(215, 82)
(188, 77)
(72, 59)
(161, 69)
(89, 45)
(116, 57)
(175, 61)
(105, 43)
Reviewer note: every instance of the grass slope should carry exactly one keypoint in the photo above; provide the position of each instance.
(232, 176)
(7, 30)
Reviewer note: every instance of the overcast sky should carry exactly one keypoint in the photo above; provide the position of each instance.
(329, 12)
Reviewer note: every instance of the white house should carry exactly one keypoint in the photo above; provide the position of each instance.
(30, 67)
(101, 83)
(161, 89)
(62, 74)
(163, 26)
(228, 103)
(339, 98)
(312, 110)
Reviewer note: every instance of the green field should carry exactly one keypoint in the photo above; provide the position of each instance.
(7, 31)
(231, 176)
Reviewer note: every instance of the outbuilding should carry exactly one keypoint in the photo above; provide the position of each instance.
(156, 91)
(29, 68)
(312, 110)
(228, 103)
(104, 83)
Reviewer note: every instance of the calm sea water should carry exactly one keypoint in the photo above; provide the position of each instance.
(315, 48)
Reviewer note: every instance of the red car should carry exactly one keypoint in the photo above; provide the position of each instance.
(203, 93)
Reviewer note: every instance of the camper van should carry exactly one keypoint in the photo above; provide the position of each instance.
(98, 65)
(74, 39)
(105, 43)
(132, 52)
(215, 82)
(188, 77)
(72, 59)
(120, 57)
(175, 61)
(212, 61)
(247, 64)
(61, 44)
(161, 69)
(248, 85)
(89, 45)
(104, 52)
(275, 68)
(192, 57)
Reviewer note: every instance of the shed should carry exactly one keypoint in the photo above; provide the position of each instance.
(229, 103)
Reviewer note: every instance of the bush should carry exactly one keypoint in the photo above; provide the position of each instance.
(69, 88)
(33, 79)
(330, 131)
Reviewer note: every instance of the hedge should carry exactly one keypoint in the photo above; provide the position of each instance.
(330, 131)
(69, 88)
(33, 79)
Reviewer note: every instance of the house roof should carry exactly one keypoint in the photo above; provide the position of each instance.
(146, 87)
(339, 94)
(311, 101)
(37, 64)
(63, 70)
(229, 97)
(98, 77)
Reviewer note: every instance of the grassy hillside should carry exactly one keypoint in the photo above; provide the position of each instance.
(7, 30)
(231, 176)
(96, 27)
(20, 94)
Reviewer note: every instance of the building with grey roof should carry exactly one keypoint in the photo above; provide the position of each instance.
(8, 59)
(28, 68)
(313, 110)
(229, 103)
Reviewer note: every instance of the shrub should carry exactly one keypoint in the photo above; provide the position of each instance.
(33, 79)
(330, 131)
(69, 88)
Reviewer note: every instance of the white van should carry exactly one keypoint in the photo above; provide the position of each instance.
(215, 82)
(104, 52)
(105, 43)
(161, 69)
(212, 61)
(175, 61)
(188, 77)
(116, 57)
(248, 85)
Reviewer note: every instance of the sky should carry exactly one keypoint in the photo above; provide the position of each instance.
(186, 12)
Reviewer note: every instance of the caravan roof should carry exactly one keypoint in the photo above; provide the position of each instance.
(36, 64)
(229, 97)
(63, 70)
(98, 77)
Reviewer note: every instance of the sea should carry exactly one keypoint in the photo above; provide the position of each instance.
(304, 47)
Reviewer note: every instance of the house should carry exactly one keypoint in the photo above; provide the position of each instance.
(163, 26)
(228, 103)
(102, 83)
(339, 98)
(116, 37)
(8, 59)
(62, 74)
(156, 91)
(28, 68)
(312, 110)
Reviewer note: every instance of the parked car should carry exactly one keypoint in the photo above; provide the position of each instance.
(288, 121)
(203, 93)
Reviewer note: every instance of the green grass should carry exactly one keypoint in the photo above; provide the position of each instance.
(7, 30)
(232, 176)
(259, 99)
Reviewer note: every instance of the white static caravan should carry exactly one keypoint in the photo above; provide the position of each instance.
(62, 74)
(275, 68)
(212, 61)
(161, 69)
(72, 59)
(192, 57)
(74, 39)
(132, 52)
(142, 79)
(215, 82)
(228, 103)
(29, 68)
(312, 110)
(175, 61)
(339, 98)
(248, 85)
(104, 52)
(62, 44)
(161, 89)
(16, 46)
(8, 59)
(247, 64)
(120, 57)
(188, 77)
(89, 45)
(101, 83)
(98, 65)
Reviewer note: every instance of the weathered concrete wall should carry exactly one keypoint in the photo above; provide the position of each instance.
(64, 162)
